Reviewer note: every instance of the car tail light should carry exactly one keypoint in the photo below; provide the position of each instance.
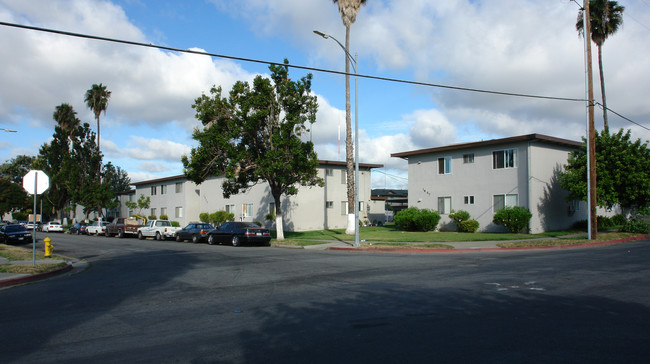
(203, 232)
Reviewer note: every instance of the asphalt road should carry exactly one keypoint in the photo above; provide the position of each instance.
(169, 302)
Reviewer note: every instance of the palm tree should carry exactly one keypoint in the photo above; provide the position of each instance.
(66, 117)
(605, 19)
(97, 100)
(348, 10)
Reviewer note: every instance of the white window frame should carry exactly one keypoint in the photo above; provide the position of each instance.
(179, 187)
(508, 158)
(329, 204)
(178, 211)
(163, 189)
(329, 172)
(507, 200)
(153, 190)
(446, 165)
(163, 211)
(230, 208)
(344, 208)
(444, 205)
(468, 158)
(247, 210)
(468, 200)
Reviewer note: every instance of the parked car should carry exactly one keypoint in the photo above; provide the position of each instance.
(52, 226)
(30, 225)
(78, 228)
(158, 229)
(123, 226)
(96, 228)
(194, 231)
(237, 233)
(14, 234)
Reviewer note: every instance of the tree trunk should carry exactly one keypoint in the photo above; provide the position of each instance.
(349, 147)
(602, 87)
(279, 227)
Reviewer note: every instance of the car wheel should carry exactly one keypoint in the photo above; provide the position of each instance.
(107, 234)
(120, 234)
(178, 238)
(78, 232)
(140, 236)
(235, 240)
(195, 239)
(158, 236)
(211, 240)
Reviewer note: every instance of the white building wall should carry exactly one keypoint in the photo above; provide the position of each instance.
(533, 181)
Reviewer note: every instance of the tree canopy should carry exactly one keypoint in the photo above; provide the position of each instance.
(622, 167)
(256, 134)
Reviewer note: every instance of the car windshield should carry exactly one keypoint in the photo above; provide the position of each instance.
(14, 228)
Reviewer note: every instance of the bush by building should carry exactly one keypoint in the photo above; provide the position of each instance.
(515, 219)
(414, 219)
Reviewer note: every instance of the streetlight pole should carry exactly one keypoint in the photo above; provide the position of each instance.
(353, 62)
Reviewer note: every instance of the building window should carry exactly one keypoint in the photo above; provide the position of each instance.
(329, 172)
(329, 204)
(179, 187)
(469, 200)
(163, 189)
(153, 190)
(230, 209)
(344, 176)
(344, 207)
(178, 211)
(131, 197)
(468, 158)
(504, 159)
(444, 165)
(272, 208)
(501, 201)
(153, 212)
(247, 210)
(444, 205)
(360, 205)
(163, 211)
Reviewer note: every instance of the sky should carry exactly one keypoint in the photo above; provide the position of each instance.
(514, 46)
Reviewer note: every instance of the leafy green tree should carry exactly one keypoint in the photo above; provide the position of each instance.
(97, 100)
(12, 196)
(143, 203)
(348, 9)
(54, 159)
(622, 167)
(116, 178)
(16, 168)
(255, 135)
(606, 17)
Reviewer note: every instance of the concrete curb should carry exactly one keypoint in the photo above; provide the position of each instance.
(465, 250)
(35, 277)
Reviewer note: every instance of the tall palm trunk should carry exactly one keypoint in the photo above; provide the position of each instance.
(602, 86)
(349, 147)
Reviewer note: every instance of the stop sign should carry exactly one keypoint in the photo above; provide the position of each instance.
(36, 182)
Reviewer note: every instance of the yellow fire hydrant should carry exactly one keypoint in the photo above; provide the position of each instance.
(48, 247)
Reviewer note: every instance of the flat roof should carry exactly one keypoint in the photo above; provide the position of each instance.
(516, 139)
(320, 163)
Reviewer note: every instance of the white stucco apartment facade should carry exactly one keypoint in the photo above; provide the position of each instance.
(481, 177)
(313, 208)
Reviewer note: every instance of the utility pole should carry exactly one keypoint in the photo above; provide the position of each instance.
(591, 147)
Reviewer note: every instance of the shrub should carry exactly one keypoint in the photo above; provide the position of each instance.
(414, 219)
(619, 219)
(468, 226)
(175, 223)
(604, 222)
(204, 217)
(515, 219)
(152, 217)
(164, 217)
(459, 216)
(636, 226)
(270, 216)
(219, 217)
(405, 219)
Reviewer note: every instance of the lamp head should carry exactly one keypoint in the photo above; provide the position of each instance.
(321, 34)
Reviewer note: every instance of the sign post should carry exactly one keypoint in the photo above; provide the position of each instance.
(35, 182)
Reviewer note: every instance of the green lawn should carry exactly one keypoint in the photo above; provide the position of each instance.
(391, 234)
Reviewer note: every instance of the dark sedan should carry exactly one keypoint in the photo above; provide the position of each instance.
(78, 228)
(237, 233)
(15, 234)
(196, 232)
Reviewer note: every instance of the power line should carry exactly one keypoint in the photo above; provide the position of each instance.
(203, 53)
